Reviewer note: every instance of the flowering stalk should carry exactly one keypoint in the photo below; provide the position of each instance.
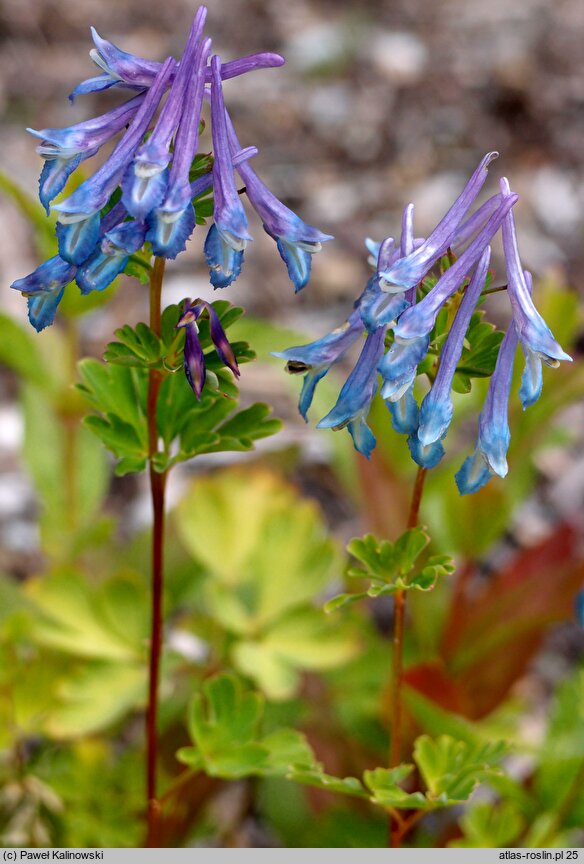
(157, 489)
(399, 615)
(143, 191)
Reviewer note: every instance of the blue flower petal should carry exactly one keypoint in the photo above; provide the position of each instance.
(494, 441)
(426, 456)
(410, 269)
(532, 330)
(531, 380)
(436, 409)
(419, 319)
(142, 191)
(473, 474)
(403, 358)
(93, 85)
(49, 275)
(311, 379)
(44, 289)
(95, 192)
(373, 248)
(77, 240)
(169, 231)
(379, 309)
(54, 177)
(228, 211)
(435, 419)
(42, 307)
(110, 257)
(537, 336)
(297, 260)
(395, 389)
(99, 271)
(327, 350)
(404, 413)
(363, 438)
(359, 388)
(296, 240)
(224, 261)
(494, 434)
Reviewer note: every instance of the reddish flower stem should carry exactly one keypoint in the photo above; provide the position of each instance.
(394, 829)
(157, 488)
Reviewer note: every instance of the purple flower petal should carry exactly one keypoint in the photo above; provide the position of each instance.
(408, 271)
(436, 408)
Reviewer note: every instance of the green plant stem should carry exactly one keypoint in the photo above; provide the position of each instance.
(157, 488)
(399, 614)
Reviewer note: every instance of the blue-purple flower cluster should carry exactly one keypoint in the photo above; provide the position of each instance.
(388, 303)
(149, 170)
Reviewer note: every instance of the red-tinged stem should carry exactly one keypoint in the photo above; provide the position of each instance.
(157, 487)
(399, 615)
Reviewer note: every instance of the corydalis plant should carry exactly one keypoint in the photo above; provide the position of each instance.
(146, 197)
(399, 310)
(145, 191)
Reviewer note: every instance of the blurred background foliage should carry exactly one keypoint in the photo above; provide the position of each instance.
(377, 105)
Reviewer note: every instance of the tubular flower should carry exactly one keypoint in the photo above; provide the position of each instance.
(411, 268)
(296, 241)
(436, 410)
(79, 214)
(357, 394)
(110, 257)
(490, 456)
(315, 359)
(64, 149)
(377, 307)
(194, 358)
(404, 412)
(419, 320)
(228, 236)
(44, 289)
(534, 334)
(118, 67)
(171, 224)
(121, 69)
(403, 299)
(532, 378)
(146, 178)
(153, 166)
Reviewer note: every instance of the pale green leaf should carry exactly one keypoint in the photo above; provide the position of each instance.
(384, 785)
(452, 769)
(71, 620)
(490, 826)
(94, 698)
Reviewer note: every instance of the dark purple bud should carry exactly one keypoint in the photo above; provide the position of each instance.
(194, 363)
